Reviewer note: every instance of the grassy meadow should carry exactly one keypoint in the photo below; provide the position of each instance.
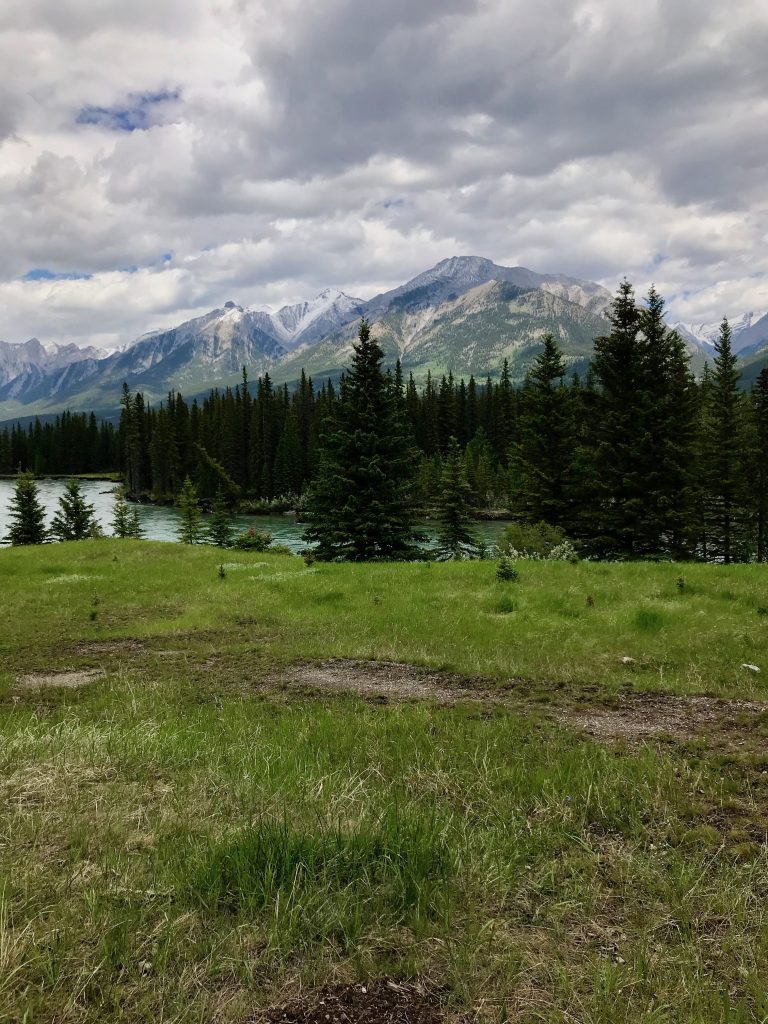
(191, 836)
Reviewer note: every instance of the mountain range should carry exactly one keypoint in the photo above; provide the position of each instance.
(464, 315)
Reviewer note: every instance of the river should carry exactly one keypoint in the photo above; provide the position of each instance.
(161, 523)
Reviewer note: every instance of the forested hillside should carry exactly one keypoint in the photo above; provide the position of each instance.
(635, 458)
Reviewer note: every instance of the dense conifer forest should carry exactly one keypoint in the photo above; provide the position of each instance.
(637, 459)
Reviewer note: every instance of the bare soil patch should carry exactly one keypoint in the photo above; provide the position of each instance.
(380, 1001)
(70, 680)
(386, 680)
(640, 715)
(631, 716)
(110, 646)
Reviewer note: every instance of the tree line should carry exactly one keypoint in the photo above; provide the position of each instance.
(635, 459)
(71, 443)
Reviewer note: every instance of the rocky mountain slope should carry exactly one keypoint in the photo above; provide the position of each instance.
(22, 365)
(432, 328)
(464, 315)
(748, 331)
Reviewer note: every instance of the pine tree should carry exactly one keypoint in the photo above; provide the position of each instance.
(76, 519)
(125, 520)
(190, 530)
(612, 515)
(455, 538)
(666, 444)
(135, 529)
(544, 453)
(725, 446)
(360, 506)
(131, 429)
(759, 461)
(479, 464)
(26, 513)
(220, 524)
(288, 458)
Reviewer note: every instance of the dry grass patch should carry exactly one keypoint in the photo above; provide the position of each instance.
(388, 680)
(68, 680)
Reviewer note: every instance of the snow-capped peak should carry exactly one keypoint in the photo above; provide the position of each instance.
(328, 310)
(708, 333)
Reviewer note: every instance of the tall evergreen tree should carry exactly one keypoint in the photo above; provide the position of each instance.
(360, 506)
(666, 445)
(288, 458)
(455, 538)
(612, 517)
(725, 454)
(544, 452)
(75, 519)
(190, 530)
(759, 463)
(26, 513)
(131, 429)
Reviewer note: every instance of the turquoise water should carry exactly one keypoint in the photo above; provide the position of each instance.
(161, 523)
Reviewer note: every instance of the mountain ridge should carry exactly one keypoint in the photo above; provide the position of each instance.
(464, 315)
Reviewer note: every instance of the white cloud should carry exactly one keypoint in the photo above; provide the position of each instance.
(352, 143)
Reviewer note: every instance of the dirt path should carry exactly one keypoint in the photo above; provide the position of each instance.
(631, 716)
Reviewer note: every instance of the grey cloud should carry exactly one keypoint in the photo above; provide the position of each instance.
(353, 144)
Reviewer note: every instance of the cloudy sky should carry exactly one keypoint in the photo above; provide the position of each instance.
(159, 157)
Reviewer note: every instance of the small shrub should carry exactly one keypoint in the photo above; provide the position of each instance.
(253, 540)
(222, 572)
(506, 571)
(505, 605)
(590, 601)
(537, 542)
(762, 610)
(680, 583)
(309, 557)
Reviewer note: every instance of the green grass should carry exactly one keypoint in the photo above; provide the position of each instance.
(180, 841)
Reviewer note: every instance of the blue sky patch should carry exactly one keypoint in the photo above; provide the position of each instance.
(43, 274)
(138, 113)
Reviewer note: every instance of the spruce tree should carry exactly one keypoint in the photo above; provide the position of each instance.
(190, 530)
(26, 513)
(220, 524)
(288, 458)
(125, 519)
(135, 529)
(544, 453)
(455, 538)
(666, 444)
(612, 515)
(360, 505)
(725, 455)
(759, 468)
(75, 519)
(131, 430)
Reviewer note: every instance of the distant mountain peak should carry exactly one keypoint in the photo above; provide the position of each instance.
(747, 329)
(466, 314)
